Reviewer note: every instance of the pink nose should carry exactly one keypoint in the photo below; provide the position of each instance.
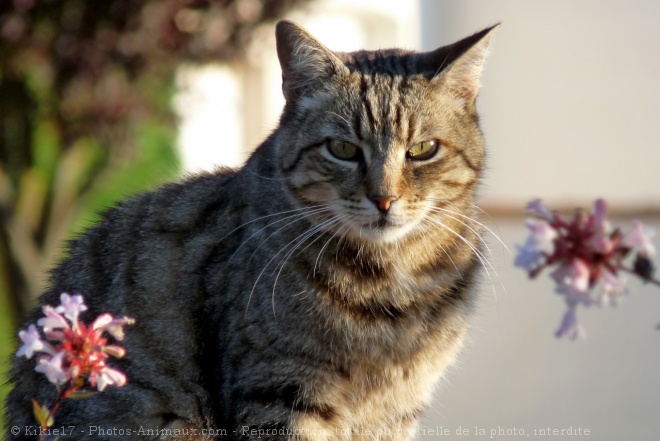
(383, 202)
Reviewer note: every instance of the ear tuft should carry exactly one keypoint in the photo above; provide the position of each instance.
(464, 61)
(306, 63)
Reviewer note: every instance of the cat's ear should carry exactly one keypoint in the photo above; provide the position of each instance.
(459, 65)
(306, 63)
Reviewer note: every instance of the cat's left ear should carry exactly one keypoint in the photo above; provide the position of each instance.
(459, 65)
(306, 64)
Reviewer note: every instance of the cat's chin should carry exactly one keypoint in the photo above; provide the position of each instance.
(380, 232)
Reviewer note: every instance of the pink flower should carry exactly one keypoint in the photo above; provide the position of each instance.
(612, 290)
(640, 236)
(71, 307)
(600, 223)
(107, 377)
(102, 321)
(115, 351)
(52, 321)
(32, 343)
(542, 234)
(53, 369)
(114, 326)
(586, 253)
(602, 244)
(573, 280)
(570, 326)
(528, 258)
(539, 242)
(80, 351)
(537, 208)
(78, 354)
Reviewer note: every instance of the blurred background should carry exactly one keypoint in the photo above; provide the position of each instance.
(101, 99)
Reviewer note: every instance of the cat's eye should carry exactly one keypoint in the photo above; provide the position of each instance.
(424, 150)
(344, 150)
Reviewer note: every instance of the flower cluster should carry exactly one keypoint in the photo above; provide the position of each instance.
(73, 353)
(589, 257)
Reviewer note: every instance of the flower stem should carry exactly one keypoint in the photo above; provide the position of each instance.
(62, 395)
(656, 282)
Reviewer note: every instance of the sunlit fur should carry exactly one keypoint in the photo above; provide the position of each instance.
(286, 296)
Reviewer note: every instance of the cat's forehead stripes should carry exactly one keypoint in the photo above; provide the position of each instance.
(389, 62)
(384, 83)
(383, 114)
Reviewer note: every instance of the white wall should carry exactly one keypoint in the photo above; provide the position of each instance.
(209, 104)
(227, 111)
(570, 98)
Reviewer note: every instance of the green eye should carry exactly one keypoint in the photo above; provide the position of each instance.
(344, 150)
(423, 150)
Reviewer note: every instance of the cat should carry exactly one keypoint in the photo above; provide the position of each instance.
(317, 293)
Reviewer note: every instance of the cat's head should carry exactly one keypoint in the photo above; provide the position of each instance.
(377, 143)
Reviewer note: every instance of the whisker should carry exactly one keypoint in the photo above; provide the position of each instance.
(339, 219)
(442, 247)
(484, 261)
(437, 210)
(299, 294)
(300, 240)
(318, 257)
(496, 236)
(273, 258)
(259, 218)
(479, 254)
(263, 177)
(298, 216)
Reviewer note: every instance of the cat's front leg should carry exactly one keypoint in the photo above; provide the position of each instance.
(277, 422)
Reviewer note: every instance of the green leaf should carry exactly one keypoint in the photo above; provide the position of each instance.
(155, 161)
(51, 419)
(46, 146)
(40, 413)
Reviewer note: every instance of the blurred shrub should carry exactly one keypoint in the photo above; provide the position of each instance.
(85, 87)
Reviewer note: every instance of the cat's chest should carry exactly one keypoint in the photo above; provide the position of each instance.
(383, 399)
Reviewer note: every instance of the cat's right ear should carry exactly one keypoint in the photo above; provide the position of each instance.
(306, 63)
(458, 66)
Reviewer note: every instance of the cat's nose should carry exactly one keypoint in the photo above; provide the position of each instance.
(383, 203)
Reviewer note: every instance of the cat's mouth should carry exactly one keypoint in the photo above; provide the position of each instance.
(384, 229)
(383, 223)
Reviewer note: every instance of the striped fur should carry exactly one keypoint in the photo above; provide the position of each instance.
(303, 296)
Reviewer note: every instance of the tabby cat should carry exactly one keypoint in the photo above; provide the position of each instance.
(317, 293)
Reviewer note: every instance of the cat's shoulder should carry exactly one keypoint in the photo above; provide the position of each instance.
(176, 206)
(142, 222)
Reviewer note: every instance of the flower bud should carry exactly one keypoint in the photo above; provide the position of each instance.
(643, 266)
